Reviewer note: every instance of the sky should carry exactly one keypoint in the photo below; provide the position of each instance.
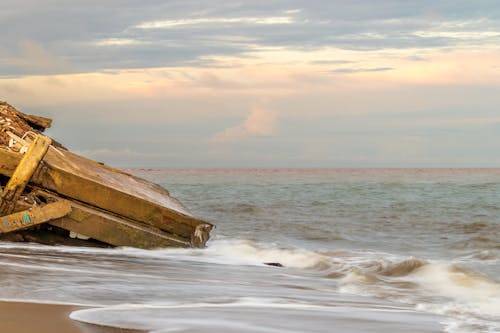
(274, 83)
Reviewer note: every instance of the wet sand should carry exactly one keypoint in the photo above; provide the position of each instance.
(18, 317)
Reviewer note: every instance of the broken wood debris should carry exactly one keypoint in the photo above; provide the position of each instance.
(50, 192)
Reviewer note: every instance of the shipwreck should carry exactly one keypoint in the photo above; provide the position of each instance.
(50, 195)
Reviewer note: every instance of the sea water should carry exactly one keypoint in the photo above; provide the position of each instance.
(353, 250)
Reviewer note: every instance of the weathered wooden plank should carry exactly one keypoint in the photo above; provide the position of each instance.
(81, 179)
(33, 216)
(8, 162)
(146, 206)
(115, 231)
(23, 173)
(37, 122)
(113, 190)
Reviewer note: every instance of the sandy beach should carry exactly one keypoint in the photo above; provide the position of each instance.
(18, 317)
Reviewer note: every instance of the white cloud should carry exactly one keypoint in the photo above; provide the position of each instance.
(117, 42)
(166, 24)
(260, 122)
(468, 35)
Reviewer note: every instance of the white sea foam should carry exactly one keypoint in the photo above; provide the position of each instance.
(226, 252)
(244, 314)
(467, 291)
(156, 317)
(250, 253)
(464, 294)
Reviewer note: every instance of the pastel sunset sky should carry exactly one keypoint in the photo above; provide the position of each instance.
(274, 83)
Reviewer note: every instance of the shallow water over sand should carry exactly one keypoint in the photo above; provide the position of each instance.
(362, 250)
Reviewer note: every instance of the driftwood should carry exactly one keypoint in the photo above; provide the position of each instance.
(54, 191)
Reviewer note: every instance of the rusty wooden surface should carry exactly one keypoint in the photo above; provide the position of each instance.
(23, 173)
(34, 216)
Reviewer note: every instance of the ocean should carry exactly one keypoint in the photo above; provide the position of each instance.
(294, 250)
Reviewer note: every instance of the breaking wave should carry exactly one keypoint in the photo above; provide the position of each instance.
(440, 287)
(467, 291)
(433, 286)
(250, 253)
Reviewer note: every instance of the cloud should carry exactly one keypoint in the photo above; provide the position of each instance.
(173, 73)
(168, 24)
(117, 42)
(179, 33)
(360, 70)
(36, 58)
(260, 122)
(416, 58)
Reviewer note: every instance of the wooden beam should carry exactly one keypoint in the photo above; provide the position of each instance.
(8, 162)
(112, 190)
(115, 191)
(116, 231)
(36, 215)
(37, 122)
(23, 173)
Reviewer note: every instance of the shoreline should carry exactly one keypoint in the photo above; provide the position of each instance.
(25, 317)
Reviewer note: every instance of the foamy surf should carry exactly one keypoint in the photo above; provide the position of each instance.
(266, 315)
(466, 295)
(467, 291)
(461, 295)
(471, 301)
(245, 252)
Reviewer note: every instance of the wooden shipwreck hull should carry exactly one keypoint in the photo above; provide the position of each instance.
(51, 195)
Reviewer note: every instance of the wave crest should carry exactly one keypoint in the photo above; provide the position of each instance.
(402, 268)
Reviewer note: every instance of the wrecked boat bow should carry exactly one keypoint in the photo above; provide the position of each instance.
(51, 195)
